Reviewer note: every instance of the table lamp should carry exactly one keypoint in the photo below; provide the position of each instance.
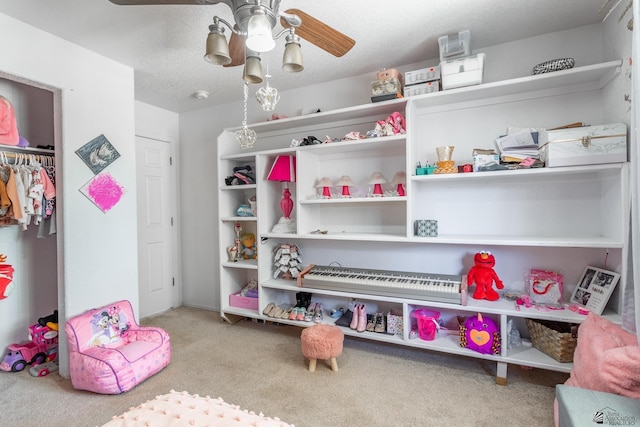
(325, 183)
(284, 170)
(345, 182)
(399, 181)
(377, 179)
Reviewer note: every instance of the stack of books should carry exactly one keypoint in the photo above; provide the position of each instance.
(518, 145)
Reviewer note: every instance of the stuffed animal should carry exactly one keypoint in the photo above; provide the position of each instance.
(483, 274)
(480, 334)
(249, 246)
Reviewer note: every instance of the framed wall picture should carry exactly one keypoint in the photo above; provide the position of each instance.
(98, 153)
(595, 288)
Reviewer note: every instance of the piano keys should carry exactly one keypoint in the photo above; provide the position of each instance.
(421, 286)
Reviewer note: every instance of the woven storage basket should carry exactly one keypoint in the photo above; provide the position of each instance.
(556, 339)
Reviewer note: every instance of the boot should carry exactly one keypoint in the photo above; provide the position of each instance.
(354, 318)
(362, 318)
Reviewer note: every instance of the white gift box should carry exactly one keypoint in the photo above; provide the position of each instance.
(587, 145)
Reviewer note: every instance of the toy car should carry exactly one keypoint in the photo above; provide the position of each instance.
(43, 369)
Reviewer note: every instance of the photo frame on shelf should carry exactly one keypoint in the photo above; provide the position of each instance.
(595, 288)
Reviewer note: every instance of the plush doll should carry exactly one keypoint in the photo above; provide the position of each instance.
(483, 274)
(249, 246)
(480, 334)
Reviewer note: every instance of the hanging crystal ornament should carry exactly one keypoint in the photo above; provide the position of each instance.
(245, 136)
(268, 96)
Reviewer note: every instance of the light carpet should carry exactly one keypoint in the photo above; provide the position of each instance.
(260, 367)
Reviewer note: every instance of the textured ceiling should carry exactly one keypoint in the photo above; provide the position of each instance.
(165, 43)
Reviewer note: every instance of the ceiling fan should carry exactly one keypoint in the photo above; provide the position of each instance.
(262, 15)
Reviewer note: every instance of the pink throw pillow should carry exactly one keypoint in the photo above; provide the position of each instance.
(607, 358)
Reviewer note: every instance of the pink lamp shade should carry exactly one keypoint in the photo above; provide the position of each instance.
(377, 179)
(345, 182)
(284, 170)
(399, 181)
(325, 183)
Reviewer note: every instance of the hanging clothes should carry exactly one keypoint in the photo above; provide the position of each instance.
(30, 191)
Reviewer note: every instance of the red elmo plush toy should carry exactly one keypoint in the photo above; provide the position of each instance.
(483, 274)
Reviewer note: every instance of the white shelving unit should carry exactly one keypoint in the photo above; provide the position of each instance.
(560, 219)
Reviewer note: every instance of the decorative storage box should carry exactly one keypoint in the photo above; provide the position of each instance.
(421, 89)
(556, 339)
(385, 87)
(587, 145)
(462, 72)
(236, 300)
(394, 322)
(422, 75)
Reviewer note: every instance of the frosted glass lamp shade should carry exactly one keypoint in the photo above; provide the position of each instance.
(292, 58)
(259, 36)
(217, 48)
(252, 70)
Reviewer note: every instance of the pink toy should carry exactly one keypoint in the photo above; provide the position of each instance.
(43, 347)
(480, 334)
(397, 122)
(483, 274)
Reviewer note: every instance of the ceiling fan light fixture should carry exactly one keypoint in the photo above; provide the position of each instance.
(292, 58)
(252, 69)
(217, 51)
(259, 35)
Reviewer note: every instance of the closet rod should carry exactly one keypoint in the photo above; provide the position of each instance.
(12, 155)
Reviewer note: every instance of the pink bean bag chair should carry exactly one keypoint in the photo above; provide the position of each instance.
(109, 353)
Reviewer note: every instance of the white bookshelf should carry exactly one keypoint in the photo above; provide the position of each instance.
(553, 218)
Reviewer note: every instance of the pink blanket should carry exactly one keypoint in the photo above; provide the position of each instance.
(607, 358)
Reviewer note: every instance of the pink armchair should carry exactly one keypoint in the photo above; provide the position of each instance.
(109, 353)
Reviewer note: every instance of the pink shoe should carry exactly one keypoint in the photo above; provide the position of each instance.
(362, 318)
(354, 318)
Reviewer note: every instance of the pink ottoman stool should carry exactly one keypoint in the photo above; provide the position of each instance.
(322, 342)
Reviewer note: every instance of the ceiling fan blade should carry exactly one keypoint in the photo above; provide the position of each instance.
(320, 34)
(153, 2)
(236, 49)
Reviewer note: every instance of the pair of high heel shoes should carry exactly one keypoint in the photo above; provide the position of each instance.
(359, 318)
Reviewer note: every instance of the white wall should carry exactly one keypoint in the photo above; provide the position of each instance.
(199, 130)
(156, 123)
(97, 254)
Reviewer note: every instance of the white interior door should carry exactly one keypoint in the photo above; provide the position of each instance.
(156, 247)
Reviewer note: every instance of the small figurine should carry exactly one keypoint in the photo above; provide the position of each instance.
(249, 246)
(238, 242)
(483, 274)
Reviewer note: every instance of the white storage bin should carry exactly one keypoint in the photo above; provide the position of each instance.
(462, 72)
